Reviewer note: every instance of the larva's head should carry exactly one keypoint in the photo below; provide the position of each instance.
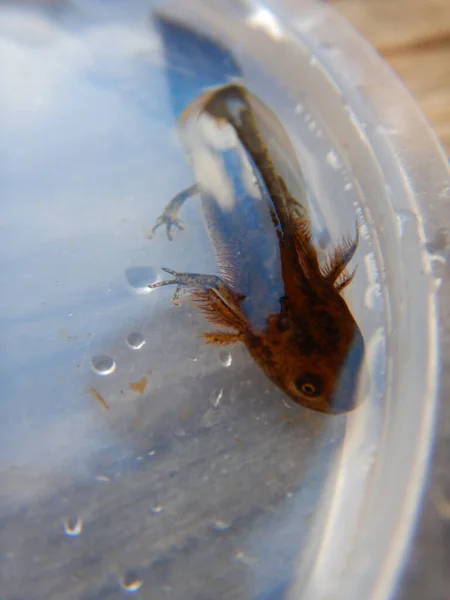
(316, 359)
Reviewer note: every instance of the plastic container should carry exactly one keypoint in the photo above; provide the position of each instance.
(133, 458)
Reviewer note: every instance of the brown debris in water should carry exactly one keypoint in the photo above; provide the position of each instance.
(138, 386)
(99, 397)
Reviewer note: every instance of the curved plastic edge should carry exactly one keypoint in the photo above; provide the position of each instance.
(358, 70)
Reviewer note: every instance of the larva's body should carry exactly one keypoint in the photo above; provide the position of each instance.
(272, 294)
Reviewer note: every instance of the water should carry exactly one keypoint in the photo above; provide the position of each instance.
(119, 411)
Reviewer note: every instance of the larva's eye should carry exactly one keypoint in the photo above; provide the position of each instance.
(310, 384)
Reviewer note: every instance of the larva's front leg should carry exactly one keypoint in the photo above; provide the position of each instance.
(170, 217)
(219, 304)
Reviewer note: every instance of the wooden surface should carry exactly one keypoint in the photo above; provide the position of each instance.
(414, 37)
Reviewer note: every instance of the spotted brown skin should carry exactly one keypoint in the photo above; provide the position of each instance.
(271, 294)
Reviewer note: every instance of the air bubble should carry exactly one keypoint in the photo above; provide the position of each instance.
(139, 279)
(135, 340)
(220, 525)
(299, 109)
(73, 527)
(348, 186)
(103, 365)
(157, 508)
(333, 160)
(130, 582)
(225, 358)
